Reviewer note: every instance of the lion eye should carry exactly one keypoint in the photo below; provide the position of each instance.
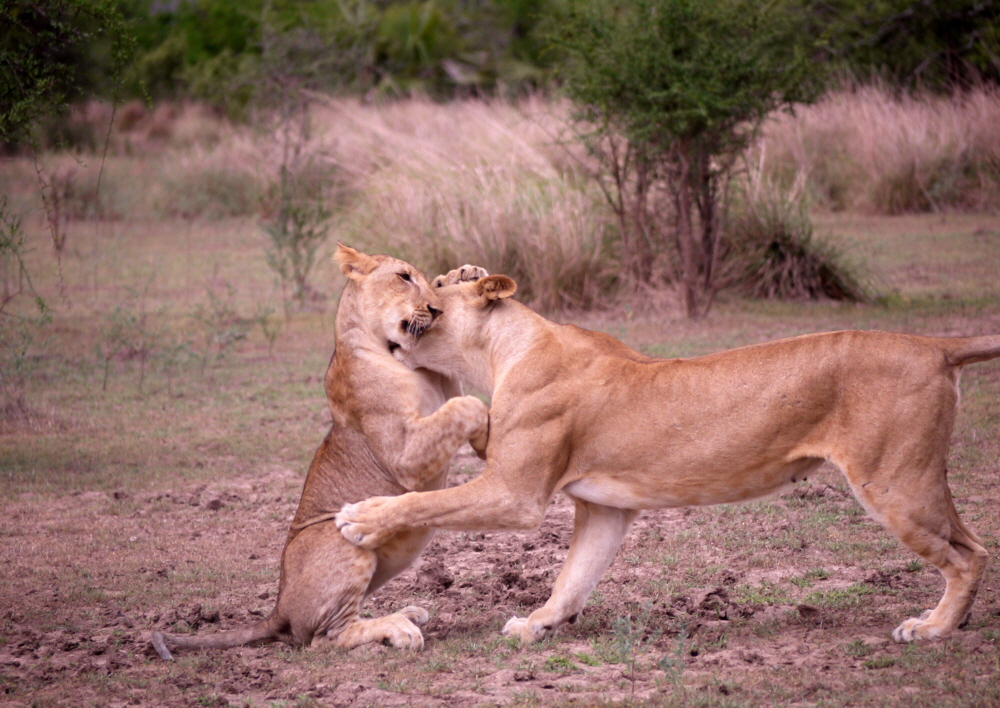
(405, 277)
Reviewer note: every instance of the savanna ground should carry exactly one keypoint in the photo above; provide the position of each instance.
(156, 495)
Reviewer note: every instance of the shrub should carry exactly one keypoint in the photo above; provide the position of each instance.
(774, 253)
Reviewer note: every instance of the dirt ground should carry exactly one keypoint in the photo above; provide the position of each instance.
(88, 576)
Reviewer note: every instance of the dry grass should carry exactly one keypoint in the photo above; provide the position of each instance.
(865, 148)
(485, 184)
(501, 184)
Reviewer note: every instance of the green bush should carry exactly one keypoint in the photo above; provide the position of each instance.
(773, 252)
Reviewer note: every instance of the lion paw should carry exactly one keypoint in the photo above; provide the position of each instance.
(356, 524)
(402, 633)
(463, 274)
(522, 628)
(917, 628)
(417, 615)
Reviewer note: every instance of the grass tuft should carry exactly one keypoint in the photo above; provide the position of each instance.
(775, 254)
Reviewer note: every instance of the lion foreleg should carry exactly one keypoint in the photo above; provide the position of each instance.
(430, 442)
(598, 532)
(485, 503)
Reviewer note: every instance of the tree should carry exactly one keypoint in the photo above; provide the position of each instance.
(52, 52)
(935, 44)
(671, 92)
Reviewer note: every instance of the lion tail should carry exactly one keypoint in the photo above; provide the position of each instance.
(969, 350)
(264, 632)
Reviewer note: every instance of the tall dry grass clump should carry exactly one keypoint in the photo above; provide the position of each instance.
(773, 253)
(486, 183)
(868, 149)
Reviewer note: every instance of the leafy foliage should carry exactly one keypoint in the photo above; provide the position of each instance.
(935, 44)
(202, 48)
(670, 92)
(53, 52)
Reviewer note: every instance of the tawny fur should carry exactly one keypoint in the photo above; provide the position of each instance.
(394, 430)
(579, 412)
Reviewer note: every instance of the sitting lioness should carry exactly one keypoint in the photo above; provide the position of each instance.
(394, 430)
(579, 412)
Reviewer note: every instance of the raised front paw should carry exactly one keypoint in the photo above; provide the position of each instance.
(463, 274)
(358, 523)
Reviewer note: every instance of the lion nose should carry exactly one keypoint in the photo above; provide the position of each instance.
(434, 312)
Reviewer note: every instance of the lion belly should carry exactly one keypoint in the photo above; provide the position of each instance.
(643, 489)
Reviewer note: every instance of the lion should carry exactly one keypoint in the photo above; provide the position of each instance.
(616, 431)
(394, 430)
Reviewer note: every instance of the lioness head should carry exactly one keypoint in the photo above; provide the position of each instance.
(395, 302)
(461, 334)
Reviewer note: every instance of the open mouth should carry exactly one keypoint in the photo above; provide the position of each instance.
(418, 325)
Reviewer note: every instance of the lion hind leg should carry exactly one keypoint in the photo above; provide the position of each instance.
(962, 562)
(926, 521)
(398, 629)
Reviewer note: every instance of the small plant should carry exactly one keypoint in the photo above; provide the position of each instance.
(672, 664)
(809, 577)
(296, 235)
(879, 662)
(222, 326)
(58, 193)
(560, 664)
(630, 636)
(19, 325)
(15, 281)
(269, 327)
(126, 335)
(858, 648)
(587, 659)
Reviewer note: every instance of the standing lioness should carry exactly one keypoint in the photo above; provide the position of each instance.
(617, 431)
(394, 430)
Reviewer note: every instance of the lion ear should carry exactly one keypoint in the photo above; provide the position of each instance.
(495, 287)
(353, 263)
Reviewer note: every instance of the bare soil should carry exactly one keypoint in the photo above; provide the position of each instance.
(89, 575)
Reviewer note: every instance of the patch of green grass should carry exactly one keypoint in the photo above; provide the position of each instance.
(560, 664)
(879, 662)
(809, 577)
(841, 598)
(765, 593)
(858, 648)
(587, 659)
